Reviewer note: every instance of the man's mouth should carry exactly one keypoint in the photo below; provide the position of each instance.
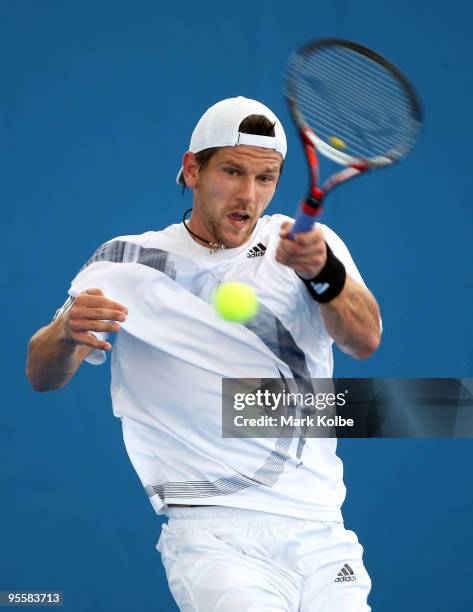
(238, 219)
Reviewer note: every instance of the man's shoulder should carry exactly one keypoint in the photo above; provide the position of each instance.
(149, 238)
(273, 220)
(335, 242)
(329, 234)
(272, 223)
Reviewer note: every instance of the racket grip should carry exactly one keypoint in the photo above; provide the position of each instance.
(303, 223)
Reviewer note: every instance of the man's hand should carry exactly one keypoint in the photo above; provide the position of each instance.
(306, 254)
(57, 350)
(352, 318)
(91, 312)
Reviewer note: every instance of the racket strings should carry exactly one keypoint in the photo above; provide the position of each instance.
(352, 98)
(353, 113)
(378, 87)
(356, 128)
(372, 90)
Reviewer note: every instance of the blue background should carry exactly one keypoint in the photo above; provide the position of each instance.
(98, 100)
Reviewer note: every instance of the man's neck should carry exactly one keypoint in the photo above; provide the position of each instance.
(212, 245)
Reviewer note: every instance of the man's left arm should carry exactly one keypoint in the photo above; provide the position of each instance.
(352, 318)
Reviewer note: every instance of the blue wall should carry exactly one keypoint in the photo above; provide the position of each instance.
(98, 100)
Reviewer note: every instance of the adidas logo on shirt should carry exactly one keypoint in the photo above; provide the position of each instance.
(346, 574)
(256, 251)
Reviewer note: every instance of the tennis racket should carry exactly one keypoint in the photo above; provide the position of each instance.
(352, 106)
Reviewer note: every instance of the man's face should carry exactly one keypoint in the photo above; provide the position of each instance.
(232, 191)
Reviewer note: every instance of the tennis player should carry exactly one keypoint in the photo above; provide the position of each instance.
(254, 523)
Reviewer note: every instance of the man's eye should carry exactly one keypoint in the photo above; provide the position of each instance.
(267, 179)
(231, 171)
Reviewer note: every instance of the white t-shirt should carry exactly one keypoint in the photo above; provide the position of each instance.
(170, 356)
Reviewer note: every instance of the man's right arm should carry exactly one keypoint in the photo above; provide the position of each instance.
(56, 351)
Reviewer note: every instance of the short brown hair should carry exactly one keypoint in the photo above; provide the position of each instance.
(253, 124)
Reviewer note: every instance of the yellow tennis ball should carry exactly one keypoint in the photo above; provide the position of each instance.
(338, 143)
(235, 302)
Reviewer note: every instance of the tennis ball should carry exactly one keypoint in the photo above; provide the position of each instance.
(235, 302)
(338, 143)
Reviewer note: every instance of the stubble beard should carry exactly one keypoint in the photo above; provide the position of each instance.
(214, 227)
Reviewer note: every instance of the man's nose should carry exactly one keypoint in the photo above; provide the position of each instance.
(247, 193)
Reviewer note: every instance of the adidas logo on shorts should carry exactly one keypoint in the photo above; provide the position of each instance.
(346, 574)
(256, 251)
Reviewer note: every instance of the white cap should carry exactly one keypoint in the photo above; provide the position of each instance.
(218, 127)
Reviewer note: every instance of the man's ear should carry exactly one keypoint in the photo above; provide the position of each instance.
(190, 169)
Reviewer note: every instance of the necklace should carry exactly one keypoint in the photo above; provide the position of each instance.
(214, 246)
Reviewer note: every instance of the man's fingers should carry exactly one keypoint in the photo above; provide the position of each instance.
(104, 314)
(99, 344)
(289, 246)
(297, 261)
(88, 339)
(98, 301)
(305, 271)
(285, 229)
(93, 292)
(286, 226)
(93, 312)
(292, 249)
(94, 298)
(85, 325)
(313, 237)
(311, 252)
(311, 264)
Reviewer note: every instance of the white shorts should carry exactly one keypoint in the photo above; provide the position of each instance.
(220, 559)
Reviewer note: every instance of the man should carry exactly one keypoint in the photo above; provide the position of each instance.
(254, 524)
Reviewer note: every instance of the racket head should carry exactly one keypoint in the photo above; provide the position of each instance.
(352, 104)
